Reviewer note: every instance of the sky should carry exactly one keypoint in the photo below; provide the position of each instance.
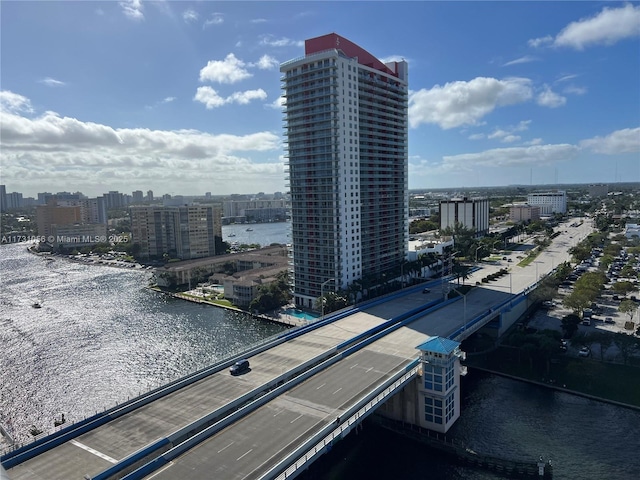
(185, 97)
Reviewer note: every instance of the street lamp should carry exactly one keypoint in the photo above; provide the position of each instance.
(322, 295)
(477, 252)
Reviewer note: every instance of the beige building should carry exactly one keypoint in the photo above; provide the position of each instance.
(524, 213)
(52, 214)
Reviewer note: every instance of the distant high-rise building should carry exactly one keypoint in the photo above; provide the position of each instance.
(114, 199)
(549, 202)
(137, 197)
(150, 196)
(47, 216)
(43, 198)
(471, 213)
(187, 231)
(3, 198)
(346, 115)
(13, 200)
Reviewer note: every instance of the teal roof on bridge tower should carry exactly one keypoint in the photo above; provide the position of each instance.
(439, 345)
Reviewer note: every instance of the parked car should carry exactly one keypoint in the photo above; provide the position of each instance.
(584, 352)
(609, 320)
(426, 290)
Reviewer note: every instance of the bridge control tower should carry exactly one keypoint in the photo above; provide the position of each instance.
(439, 390)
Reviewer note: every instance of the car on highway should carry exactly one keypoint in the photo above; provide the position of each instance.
(239, 367)
(584, 352)
(426, 290)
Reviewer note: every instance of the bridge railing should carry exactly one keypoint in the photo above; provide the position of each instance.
(321, 442)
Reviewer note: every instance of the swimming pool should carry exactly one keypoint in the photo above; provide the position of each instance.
(294, 312)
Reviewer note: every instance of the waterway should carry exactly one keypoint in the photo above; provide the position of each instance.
(102, 337)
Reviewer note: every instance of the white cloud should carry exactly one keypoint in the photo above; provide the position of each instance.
(620, 141)
(548, 98)
(271, 41)
(259, 20)
(525, 59)
(229, 70)
(605, 28)
(538, 42)
(215, 19)
(465, 103)
(60, 151)
(190, 15)
(277, 104)
(506, 135)
(393, 58)
(476, 136)
(211, 99)
(267, 62)
(512, 157)
(564, 78)
(132, 9)
(575, 90)
(535, 141)
(168, 99)
(14, 103)
(52, 82)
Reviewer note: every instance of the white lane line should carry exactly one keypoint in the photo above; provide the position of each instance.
(318, 388)
(224, 448)
(244, 454)
(299, 416)
(369, 369)
(166, 467)
(337, 390)
(354, 366)
(95, 452)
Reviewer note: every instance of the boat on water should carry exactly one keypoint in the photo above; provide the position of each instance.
(231, 235)
(249, 229)
(36, 305)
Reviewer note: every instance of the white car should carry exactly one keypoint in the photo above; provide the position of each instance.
(584, 352)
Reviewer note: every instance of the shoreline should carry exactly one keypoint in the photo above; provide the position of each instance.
(277, 317)
(555, 387)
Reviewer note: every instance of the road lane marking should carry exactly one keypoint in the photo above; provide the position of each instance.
(318, 388)
(337, 390)
(299, 416)
(353, 366)
(224, 448)
(95, 452)
(244, 454)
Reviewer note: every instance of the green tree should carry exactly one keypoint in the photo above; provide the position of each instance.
(628, 307)
(623, 287)
(570, 325)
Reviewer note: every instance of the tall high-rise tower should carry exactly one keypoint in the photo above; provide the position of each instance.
(346, 129)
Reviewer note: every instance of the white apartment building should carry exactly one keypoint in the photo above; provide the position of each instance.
(185, 232)
(346, 128)
(550, 202)
(472, 213)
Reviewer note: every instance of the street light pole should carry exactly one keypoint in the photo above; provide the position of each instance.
(477, 252)
(322, 296)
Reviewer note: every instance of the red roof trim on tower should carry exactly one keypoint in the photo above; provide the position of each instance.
(333, 40)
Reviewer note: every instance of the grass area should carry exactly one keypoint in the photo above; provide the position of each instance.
(584, 375)
(222, 302)
(529, 258)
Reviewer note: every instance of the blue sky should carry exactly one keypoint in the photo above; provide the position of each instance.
(183, 97)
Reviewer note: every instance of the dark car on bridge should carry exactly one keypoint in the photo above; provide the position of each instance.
(239, 367)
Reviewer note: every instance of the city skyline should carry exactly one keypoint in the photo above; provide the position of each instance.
(182, 97)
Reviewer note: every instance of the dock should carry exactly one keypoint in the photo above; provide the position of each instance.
(508, 467)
